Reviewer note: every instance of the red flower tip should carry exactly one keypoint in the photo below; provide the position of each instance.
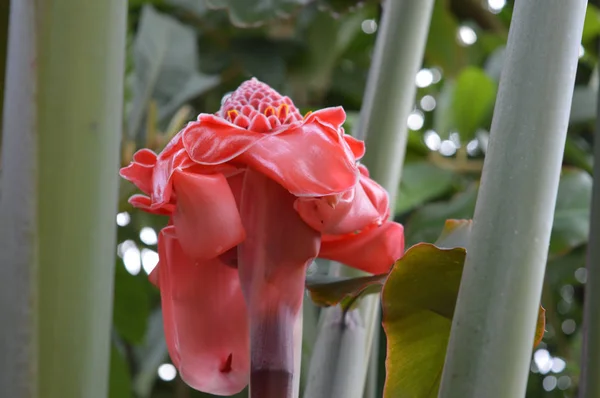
(263, 108)
(226, 365)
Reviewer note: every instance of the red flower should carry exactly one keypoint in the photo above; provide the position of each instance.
(254, 194)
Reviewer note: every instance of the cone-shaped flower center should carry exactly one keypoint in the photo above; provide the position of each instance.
(257, 107)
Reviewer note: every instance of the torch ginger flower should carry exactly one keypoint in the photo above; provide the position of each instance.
(254, 193)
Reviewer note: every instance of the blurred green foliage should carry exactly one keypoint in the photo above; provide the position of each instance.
(185, 55)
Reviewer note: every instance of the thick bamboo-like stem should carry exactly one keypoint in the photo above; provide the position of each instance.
(18, 209)
(60, 156)
(4, 9)
(388, 100)
(589, 386)
(493, 327)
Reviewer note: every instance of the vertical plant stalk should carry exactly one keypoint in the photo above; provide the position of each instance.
(589, 386)
(81, 55)
(272, 263)
(4, 10)
(388, 100)
(494, 322)
(18, 209)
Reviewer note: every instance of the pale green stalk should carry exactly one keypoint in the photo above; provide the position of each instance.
(18, 262)
(493, 327)
(589, 385)
(389, 99)
(62, 125)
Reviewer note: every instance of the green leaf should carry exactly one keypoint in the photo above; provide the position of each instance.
(249, 13)
(418, 302)
(472, 102)
(572, 214)
(418, 299)
(422, 182)
(120, 378)
(131, 307)
(442, 49)
(425, 224)
(166, 68)
(327, 291)
(591, 27)
(327, 38)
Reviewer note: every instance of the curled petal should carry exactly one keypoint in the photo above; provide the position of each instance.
(206, 217)
(213, 140)
(205, 319)
(333, 117)
(373, 250)
(308, 160)
(356, 146)
(295, 155)
(145, 203)
(365, 204)
(140, 170)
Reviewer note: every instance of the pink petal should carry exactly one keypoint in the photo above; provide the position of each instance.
(140, 170)
(145, 203)
(213, 140)
(206, 218)
(334, 116)
(356, 146)
(272, 263)
(204, 318)
(373, 250)
(308, 159)
(364, 205)
(311, 159)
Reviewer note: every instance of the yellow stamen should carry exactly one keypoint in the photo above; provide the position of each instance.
(270, 111)
(232, 114)
(307, 114)
(283, 111)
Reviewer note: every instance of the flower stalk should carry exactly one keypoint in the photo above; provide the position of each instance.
(62, 123)
(494, 322)
(388, 100)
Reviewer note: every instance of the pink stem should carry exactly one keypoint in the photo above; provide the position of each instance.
(272, 264)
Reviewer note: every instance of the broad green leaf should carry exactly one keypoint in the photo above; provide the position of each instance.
(591, 27)
(327, 291)
(418, 302)
(166, 68)
(578, 153)
(422, 182)
(425, 224)
(131, 306)
(471, 104)
(442, 48)
(120, 378)
(327, 38)
(572, 214)
(418, 299)
(248, 13)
